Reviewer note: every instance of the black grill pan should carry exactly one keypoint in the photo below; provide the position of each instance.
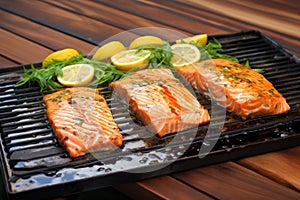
(33, 163)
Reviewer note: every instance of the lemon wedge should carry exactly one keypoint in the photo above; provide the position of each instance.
(198, 39)
(147, 40)
(184, 54)
(129, 59)
(108, 50)
(60, 55)
(76, 75)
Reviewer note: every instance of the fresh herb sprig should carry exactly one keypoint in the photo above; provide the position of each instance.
(255, 69)
(214, 49)
(160, 56)
(104, 72)
(46, 77)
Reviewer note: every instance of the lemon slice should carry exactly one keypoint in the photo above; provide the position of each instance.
(108, 50)
(184, 54)
(60, 55)
(76, 75)
(129, 59)
(147, 40)
(198, 39)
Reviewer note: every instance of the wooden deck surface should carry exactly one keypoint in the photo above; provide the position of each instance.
(30, 30)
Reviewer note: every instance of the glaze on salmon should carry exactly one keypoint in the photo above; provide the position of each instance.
(161, 101)
(239, 88)
(82, 120)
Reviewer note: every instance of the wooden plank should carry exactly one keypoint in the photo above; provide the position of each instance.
(118, 18)
(41, 34)
(21, 50)
(4, 62)
(278, 26)
(274, 8)
(174, 19)
(232, 181)
(280, 166)
(163, 187)
(210, 22)
(225, 181)
(246, 13)
(109, 15)
(78, 26)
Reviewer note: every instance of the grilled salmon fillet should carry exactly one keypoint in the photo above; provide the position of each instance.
(160, 101)
(239, 88)
(82, 120)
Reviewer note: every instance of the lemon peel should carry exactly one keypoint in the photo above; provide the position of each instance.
(129, 59)
(60, 55)
(147, 40)
(108, 50)
(197, 39)
(184, 54)
(76, 75)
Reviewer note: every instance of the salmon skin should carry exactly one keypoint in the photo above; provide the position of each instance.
(247, 93)
(160, 101)
(82, 120)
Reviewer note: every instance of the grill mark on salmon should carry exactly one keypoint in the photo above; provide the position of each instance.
(161, 101)
(248, 93)
(82, 121)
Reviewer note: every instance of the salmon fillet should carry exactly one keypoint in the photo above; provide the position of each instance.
(161, 101)
(239, 88)
(82, 121)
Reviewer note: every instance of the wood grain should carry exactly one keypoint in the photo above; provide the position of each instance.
(263, 17)
(232, 181)
(5, 62)
(282, 10)
(78, 26)
(172, 18)
(33, 29)
(42, 35)
(280, 166)
(163, 187)
(109, 15)
(131, 24)
(278, 22)
(21, 50)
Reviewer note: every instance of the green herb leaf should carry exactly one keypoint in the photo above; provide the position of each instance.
(214, 48)
(259, 70)
(46, 77)
(160, 56)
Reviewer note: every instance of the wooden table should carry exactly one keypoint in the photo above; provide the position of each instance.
(30, 30)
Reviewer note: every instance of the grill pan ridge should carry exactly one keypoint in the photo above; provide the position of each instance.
(33, 162)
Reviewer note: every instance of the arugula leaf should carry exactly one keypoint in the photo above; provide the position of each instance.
(104, 72)
(160, 56)
(213, 49)
(46, 77)
(259, 70)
